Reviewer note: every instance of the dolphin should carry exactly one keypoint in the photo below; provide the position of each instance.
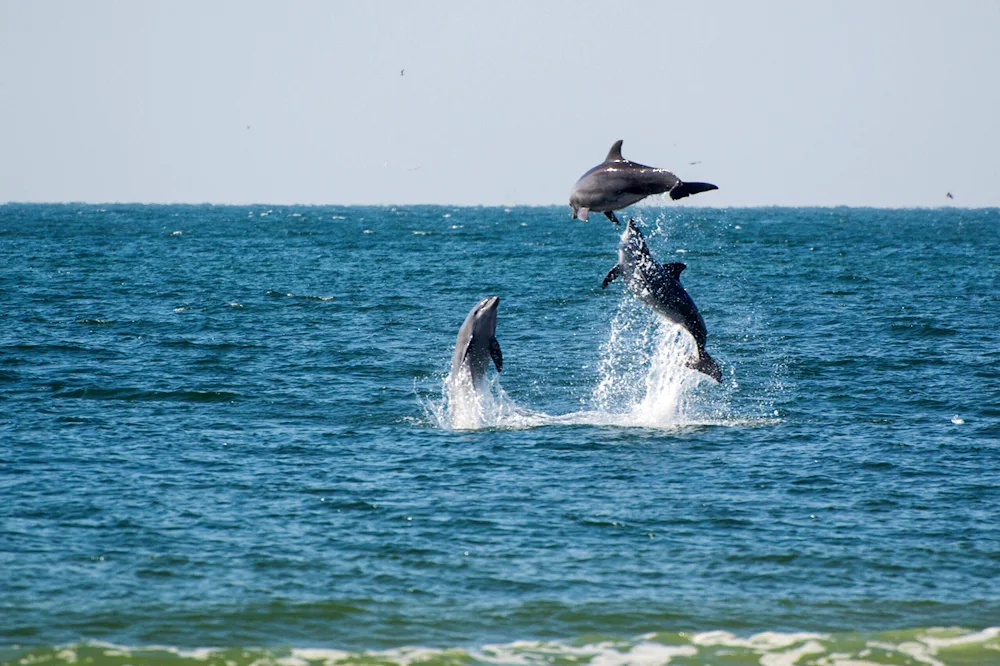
(616, 183)
(659, 286)
(477, 342)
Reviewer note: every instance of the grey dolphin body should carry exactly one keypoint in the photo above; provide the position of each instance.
(477, 342)
(617, 182)
(659, 286)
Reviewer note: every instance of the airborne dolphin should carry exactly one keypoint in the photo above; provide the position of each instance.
(659, 286)
(477, 342)
(616, 183)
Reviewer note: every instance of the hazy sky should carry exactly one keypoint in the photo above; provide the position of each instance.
(789, 103)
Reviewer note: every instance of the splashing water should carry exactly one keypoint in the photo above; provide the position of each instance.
(643, 381)
(669, 381)
(644, 378)
(468, 405)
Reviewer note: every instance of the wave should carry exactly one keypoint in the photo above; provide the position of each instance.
(923, 646)
(131, 394)
(305, 297)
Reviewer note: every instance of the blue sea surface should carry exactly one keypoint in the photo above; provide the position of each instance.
(226, 437)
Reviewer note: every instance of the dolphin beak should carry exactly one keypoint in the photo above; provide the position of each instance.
(493, 302)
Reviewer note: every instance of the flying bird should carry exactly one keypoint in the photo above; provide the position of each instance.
(950, 195)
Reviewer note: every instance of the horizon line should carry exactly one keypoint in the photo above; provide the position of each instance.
(450, 205)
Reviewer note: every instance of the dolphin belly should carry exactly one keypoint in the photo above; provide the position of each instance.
(669, 300)
(603, 203)
(600, 193)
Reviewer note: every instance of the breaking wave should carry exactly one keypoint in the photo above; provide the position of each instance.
(922, 647)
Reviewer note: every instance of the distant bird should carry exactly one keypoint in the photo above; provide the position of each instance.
(950, 195)
(248, 127)
(401, 72)
(696, 162)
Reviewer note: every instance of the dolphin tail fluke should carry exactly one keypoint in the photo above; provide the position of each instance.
(682, 189)
(706, 364)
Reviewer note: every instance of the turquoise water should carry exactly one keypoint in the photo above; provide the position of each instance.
(225, 437)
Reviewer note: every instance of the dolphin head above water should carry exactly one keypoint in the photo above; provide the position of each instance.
(477, 342)
(486, 316)
(635, 262)
(617, 182)
(632, 245)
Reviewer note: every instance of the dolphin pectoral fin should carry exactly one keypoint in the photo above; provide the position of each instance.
(705, 364)
(674, 270)
(611, 276)
(682, 189)
(583, 213)
(611, 216)
(496, 354)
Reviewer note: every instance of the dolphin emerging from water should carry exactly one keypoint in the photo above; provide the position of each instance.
(477, 342)
(659, 286)
(616, 183)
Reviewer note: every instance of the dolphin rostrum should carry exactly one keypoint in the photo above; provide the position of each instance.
(617, 182)
(477, 342)
(659, 286)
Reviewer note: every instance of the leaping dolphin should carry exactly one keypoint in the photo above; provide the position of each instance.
(617, 182)
(659, 286)
(477, 342)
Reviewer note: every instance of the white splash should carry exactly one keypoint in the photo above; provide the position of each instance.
(644, 381)
(644, 378)
(468, 405)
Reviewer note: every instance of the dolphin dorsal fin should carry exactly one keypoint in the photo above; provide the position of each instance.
(674, 270)
(615, 154)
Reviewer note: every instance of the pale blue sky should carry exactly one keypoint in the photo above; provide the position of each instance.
(782, 103)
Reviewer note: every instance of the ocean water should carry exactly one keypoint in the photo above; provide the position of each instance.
(226, 438)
